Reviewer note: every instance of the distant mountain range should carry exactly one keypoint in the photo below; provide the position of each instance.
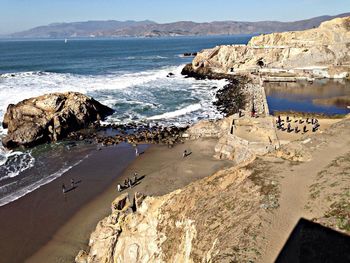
(152, 29)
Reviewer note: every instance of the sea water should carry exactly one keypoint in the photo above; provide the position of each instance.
(128, 75)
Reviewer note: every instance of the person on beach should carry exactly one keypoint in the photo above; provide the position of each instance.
(135, 177)
(288, 128)
(119, 188)
(129, 183)
(126, 183)
(72, 183)
(136, 151)
(184, 154)
(63, 188)
(304, 130)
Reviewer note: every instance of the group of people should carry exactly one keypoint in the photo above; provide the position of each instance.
(72, 183)
(128, 183)
(287, 124)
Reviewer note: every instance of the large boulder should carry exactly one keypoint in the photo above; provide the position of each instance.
(50, 118)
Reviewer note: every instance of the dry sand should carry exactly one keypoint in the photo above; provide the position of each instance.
(164, 169)
(295, 182)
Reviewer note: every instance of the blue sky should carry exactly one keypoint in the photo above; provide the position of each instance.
(18, 15)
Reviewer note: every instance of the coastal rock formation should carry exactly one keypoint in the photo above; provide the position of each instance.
(185, 225)
(320, 52)
(50, 118)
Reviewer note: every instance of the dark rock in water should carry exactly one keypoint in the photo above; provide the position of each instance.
(50, 118)
(170, 74)
(204, 73)
(230, 98)
(189, 54)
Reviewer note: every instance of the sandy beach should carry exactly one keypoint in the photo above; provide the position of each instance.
(164, 169)
(29, 222)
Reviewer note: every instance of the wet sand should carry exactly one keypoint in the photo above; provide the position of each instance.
(30, 222)
(164, 169)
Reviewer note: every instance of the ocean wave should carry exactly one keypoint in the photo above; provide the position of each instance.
(177, 113)
(145, 57)
(26, 190)
(23, 74)
(14, 163)
(148, 88)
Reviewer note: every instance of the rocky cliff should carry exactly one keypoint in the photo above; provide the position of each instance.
(319, 52)
(194, 224)
(50, 118)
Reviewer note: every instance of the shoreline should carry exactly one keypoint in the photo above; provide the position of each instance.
(33, 219)
(164, 169)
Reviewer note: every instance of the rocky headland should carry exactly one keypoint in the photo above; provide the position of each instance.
(321, 52)
(246, 213)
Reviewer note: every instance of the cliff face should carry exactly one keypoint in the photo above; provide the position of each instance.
(194, 224)
(323, 50)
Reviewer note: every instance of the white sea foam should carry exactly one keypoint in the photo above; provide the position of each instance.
(177, 113)
(13, 163)
(15, 87)
(145, 57)
(26, 190)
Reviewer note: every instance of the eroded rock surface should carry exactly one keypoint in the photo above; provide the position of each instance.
(194, 224)
(50, 118)
(320, 52)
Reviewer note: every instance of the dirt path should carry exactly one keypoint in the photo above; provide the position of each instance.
(295, 183)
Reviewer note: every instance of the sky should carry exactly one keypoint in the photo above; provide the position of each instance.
(17, 15)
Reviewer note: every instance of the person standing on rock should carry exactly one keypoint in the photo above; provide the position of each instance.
(119, 188)
(63, 189)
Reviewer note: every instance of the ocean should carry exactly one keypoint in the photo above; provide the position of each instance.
(128, 75)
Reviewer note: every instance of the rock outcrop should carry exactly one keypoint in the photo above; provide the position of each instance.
(186, 225)
(50, 118)
(320, 52)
